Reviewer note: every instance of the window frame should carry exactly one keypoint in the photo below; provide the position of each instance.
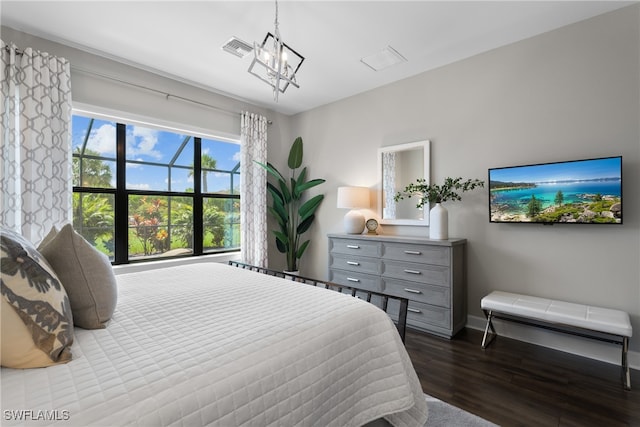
(121, 193)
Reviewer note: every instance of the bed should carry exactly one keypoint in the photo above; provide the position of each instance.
(212, 344)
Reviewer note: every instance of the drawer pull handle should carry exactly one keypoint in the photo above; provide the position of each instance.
(353, 246)
(412, 271)
(412, 252)
(413, 291)
(353, 263)
(414, 310)
(351, 279)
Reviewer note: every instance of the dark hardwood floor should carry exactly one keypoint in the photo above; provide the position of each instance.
(513, 383)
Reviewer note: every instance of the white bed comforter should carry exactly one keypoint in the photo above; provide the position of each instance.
(210, 344)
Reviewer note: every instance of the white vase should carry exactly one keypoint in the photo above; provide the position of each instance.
(438, 223)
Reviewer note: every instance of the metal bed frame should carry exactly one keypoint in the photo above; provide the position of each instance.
(400, 321)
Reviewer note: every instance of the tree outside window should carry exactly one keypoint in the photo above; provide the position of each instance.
(159, 170)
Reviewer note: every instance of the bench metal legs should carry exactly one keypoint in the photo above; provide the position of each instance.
(485, 343)
(626, 374)
(625, 363)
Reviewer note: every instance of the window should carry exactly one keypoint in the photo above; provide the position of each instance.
(141, 193)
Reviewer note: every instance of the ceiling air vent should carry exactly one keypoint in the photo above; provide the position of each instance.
(386, 58)
(237, 47)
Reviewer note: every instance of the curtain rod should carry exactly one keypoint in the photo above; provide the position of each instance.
(139, 86)
(16, 50)
(150, 89)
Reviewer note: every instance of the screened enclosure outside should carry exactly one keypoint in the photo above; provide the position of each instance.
(144, 193)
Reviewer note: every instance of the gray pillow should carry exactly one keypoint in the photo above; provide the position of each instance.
(87, 276)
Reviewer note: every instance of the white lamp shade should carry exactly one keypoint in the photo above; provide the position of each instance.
(353, 198)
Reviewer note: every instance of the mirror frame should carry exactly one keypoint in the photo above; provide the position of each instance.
(426, 169)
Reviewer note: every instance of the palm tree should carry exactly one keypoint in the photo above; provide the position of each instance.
(95, 172)
(94, 218)
(207, 164)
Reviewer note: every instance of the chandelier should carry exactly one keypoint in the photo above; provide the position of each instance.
(274, 62)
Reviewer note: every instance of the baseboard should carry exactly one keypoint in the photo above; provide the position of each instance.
(593, 349)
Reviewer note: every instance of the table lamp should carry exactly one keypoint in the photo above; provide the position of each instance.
(353, 198)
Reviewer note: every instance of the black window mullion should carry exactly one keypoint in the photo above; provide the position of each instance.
(121, 251)
(121, 195)
(198, 228)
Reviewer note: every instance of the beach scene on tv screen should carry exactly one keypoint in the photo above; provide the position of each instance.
(585, 191)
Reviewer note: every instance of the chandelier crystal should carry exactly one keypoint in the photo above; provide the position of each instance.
(274, 62)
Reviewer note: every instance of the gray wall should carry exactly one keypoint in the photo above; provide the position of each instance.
(568, 94)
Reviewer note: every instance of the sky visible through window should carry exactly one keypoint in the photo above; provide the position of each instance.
(157, 146)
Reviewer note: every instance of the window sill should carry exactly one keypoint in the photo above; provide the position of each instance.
(144, 266)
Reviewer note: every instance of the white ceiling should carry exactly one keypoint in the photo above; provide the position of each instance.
(183, 39)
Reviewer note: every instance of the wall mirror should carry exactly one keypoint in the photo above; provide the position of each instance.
(398, 166)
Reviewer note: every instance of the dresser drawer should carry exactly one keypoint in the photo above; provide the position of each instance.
(369, 282)
(355, 247)
(430, 274)
(434, 295)
(425, 316)
(435, 255)
(422, 273)
(355, 263)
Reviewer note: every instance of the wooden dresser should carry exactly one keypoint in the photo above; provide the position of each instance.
(430, 273)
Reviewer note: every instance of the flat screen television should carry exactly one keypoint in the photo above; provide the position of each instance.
(574, 192)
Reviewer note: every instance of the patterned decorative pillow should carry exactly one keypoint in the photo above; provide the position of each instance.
(37, 324)
(86, 274)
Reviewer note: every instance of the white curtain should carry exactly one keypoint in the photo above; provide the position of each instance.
(35, 168)
(253, 189)
(389, 184)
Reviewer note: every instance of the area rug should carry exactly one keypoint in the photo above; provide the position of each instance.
(441, 414)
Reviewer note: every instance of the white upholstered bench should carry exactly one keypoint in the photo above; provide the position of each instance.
(599, 323)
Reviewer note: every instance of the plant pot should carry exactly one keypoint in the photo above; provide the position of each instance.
(438, 223)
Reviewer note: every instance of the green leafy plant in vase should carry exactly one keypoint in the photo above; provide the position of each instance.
(293, 214)
(434, 193)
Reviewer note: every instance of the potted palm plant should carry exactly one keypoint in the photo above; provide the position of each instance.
(433, 193)
(293, 213)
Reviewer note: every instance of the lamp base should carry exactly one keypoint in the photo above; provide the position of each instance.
(354, 222)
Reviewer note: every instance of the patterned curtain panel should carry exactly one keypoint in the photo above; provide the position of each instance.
(35, 165)
(253, 189)
(389, 185)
